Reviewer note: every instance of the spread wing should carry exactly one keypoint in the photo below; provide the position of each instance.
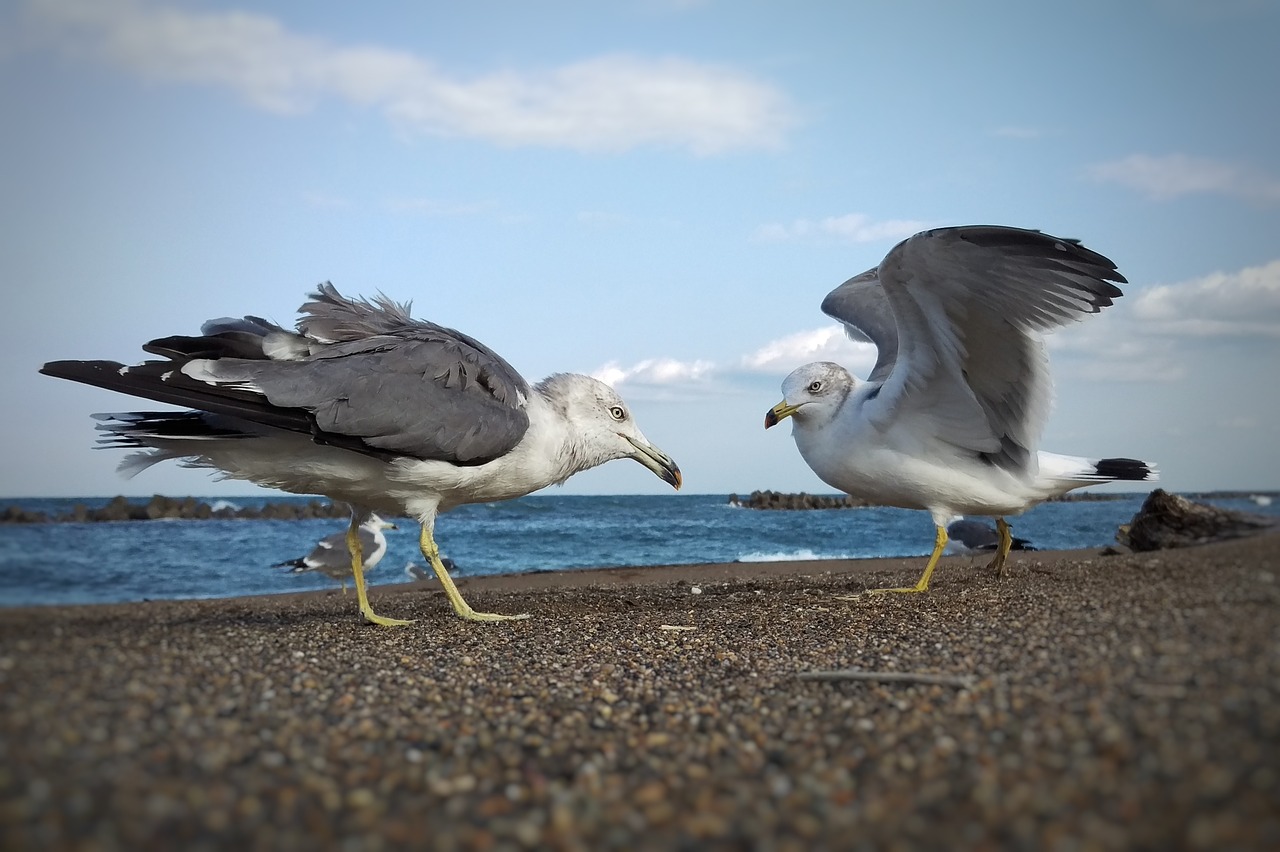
(861, 304)
(969, 305)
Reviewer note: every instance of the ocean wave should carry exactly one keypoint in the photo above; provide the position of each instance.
(800, 555)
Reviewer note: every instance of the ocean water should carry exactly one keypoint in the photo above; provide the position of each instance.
(73, 563)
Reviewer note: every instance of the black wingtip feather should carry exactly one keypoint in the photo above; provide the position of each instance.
(162, 381)
(1038, 243)
(1127, 469)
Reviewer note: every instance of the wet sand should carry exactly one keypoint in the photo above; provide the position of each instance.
(1110, 702)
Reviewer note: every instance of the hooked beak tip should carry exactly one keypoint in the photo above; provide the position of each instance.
(778, 413)
(662, 465)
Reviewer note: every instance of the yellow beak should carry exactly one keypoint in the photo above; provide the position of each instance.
(778, 413)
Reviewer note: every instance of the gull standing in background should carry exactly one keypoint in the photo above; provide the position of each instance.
(366, 405)
(950, 418)
(331, 558)
(968, 536)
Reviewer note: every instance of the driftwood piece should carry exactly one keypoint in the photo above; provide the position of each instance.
(961, 681)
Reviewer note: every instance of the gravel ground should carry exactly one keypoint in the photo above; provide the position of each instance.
(1111, 702)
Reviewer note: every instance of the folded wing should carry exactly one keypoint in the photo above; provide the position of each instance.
(360, 375)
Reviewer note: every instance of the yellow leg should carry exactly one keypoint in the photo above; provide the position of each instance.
(939, 542)
(461, 607)
(1002, 550)
(357, 569)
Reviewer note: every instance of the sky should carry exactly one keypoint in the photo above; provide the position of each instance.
(655, 192)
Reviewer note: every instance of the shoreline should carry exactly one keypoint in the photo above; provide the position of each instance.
(613, 576)
(1105, 701)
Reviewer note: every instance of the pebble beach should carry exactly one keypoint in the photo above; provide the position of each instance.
(1081, 701)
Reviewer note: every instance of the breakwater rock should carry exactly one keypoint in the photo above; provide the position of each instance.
(184, 508)
(1167, 520)
(779, 500)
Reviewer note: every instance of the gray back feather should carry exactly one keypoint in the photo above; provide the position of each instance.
(395, 384)
(332, 318)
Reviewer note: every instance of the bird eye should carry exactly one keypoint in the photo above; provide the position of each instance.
(617, 412)
(815, 386)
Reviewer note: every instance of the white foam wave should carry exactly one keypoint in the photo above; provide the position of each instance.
(791, 556)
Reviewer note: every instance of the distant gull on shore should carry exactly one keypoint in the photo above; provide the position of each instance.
(414, 571)
(967, 536)
(368, 406)
(951, 415)
(331, 557)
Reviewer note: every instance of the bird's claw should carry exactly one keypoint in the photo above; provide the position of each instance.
(472, 615)
(382, 621)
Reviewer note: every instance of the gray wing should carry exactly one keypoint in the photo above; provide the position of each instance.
(974, 535)
(969, 303)
(396, 384)
(359, 375)
(331, 318)
(331, 554)
(424, 395)
(862, 306)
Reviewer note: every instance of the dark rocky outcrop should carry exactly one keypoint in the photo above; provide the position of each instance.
(182, 508)
(779, 500)
(1166, 521)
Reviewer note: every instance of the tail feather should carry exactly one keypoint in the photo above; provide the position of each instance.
(1068, 472)
(1128, 469)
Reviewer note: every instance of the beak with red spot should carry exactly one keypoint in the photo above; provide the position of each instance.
(778, 413)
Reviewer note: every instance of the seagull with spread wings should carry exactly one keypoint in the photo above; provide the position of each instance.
(366, 405)
(950, 417)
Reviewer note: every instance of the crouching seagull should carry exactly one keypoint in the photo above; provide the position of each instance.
(366, 405)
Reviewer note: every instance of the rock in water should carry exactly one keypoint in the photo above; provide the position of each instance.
(1166, 521)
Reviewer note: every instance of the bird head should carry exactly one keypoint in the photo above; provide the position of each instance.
(812, 393)
(604, 428)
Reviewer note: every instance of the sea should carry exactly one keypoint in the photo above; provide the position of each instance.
(123, 561)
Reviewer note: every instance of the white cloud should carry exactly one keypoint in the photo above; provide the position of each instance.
(1152, 334)
(1012, 131)
(435, 207)
(1147, 337)
(324, 201)
(1228, 304)
(601, 218)
(1167, 177)
(655, 372)
(606, 103)
(829, 343)
(675, 5)
(851, 227)
(775, 358)
(1105, 349)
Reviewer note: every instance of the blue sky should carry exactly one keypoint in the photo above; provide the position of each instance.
(659, 192)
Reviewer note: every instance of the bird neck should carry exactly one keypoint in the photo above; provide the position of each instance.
(554, 445)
